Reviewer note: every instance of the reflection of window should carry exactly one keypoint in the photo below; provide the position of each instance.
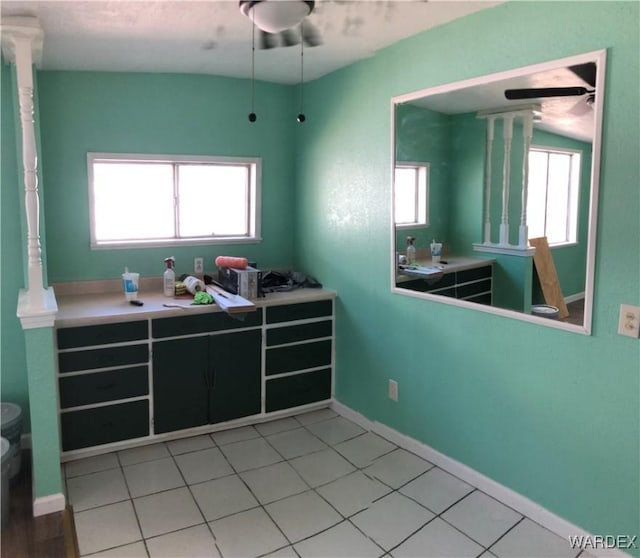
(552, 201)
(141, 200)
(411, 185)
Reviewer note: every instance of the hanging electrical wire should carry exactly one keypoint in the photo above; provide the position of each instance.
(301, 117)
(252, 114)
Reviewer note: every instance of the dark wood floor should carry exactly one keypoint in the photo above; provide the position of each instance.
(576, 312)
(47, 536)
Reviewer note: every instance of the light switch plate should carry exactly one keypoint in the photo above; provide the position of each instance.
(629, 321)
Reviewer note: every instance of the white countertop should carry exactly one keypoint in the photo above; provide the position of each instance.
(85, 309)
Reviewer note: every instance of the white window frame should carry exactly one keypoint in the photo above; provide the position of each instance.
(254, 165)
(422, 175)
(573, 191)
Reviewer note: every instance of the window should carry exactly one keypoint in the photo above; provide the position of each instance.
(552, 201)
(411, 185)
(157, 200)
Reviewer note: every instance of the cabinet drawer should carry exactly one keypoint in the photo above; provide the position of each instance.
(103, 425)
(298, 357)
(299, 389)
(70, 337)
(481, 299)
(301, 332)
(474, 274)
(103, 358)
(302, 311)
(471, 289)
(99, 387)
(203, 323)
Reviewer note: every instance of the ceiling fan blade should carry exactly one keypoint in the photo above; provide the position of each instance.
(518, 94)
(586, 72)
(290, 37)
(267, 40)
(310, 35)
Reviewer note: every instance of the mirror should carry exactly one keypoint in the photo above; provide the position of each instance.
(502, 172)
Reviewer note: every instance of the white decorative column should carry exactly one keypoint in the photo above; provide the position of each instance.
(527, 134)
(22, 40)
(507, 123)
(487, 180)
(508, 118)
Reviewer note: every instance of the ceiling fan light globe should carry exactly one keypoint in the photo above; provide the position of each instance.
(274, 16)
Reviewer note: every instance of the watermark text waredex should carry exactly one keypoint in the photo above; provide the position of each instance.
(625, 542)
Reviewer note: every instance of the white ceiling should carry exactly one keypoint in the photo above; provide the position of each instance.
(568, 116)
(213, 37)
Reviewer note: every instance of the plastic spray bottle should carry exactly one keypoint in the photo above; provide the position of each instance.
(411, 250)
(169, 277)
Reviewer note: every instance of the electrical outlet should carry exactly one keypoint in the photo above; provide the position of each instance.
(198, 265)
(393, 390)
(629, 321)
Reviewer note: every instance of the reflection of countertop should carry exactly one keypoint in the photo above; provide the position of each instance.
(454, 263)
(82, 309)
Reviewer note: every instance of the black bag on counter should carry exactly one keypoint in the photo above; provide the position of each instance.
(276, 281)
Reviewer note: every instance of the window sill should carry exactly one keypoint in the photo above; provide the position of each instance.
(138, 244)
(413, 226)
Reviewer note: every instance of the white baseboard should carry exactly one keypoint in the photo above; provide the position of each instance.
(573, 297)
(48, 504)
(507, 496)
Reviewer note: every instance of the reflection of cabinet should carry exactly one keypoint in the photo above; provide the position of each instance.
(205, 379)
(474, 285)
(103, 383)
(298, 354)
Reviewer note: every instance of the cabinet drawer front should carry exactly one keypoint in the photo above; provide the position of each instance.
(99, 387)
(203, 323)
(70, 337)
(102, 425)
(298, 357)
(290, 312)
(481, 299)
(474, 274)
(472, 289)
(301, 332)
(300, 389)
(103, 358)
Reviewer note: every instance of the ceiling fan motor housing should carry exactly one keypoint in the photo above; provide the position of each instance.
(274, 16)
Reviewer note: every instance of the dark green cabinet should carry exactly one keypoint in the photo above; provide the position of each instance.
(132, 380)
(103, 380)
(298, 354)
(206, 379)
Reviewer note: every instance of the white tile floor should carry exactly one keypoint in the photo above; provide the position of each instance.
(316, 485)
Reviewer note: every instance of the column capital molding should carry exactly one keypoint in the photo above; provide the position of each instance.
(14, 29)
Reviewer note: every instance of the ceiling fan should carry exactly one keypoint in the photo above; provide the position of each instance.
(277, 21)
(586, 72)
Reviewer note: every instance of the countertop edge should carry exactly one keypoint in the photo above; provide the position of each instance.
(89, 309)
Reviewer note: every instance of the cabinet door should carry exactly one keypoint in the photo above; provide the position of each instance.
(236, 374)
(181, 382)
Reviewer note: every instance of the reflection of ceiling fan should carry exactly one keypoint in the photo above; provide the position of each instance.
(586, 72)
(277, 20)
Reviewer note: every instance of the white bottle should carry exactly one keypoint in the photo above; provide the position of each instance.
(411, 251)
(169, 277)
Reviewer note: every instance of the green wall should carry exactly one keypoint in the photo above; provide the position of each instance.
(422, 136)
(551, 414)
(166, 114)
